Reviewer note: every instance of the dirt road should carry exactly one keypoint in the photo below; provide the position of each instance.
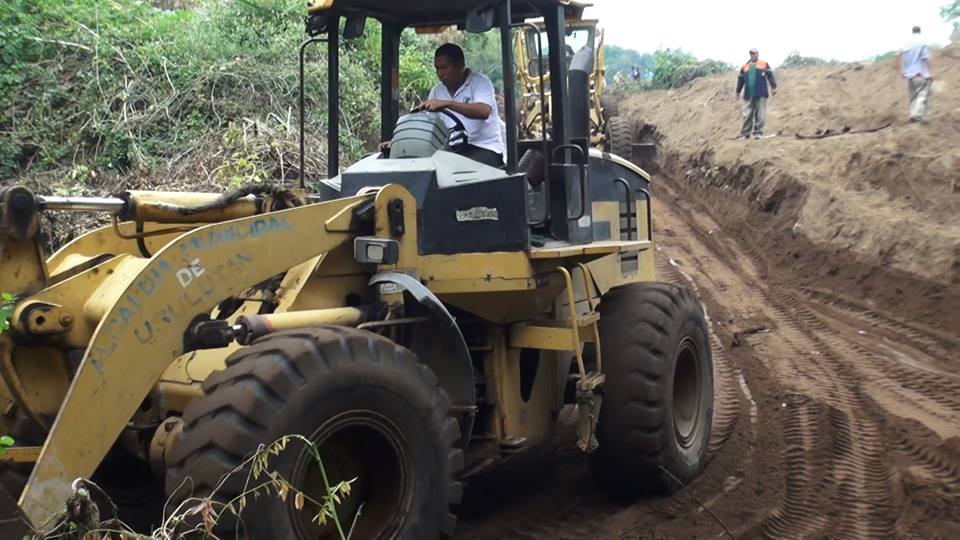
(832, 419)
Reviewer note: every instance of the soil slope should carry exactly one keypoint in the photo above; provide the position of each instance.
(874, 185)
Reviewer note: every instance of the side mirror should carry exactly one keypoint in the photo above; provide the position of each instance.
(480, 19)
(353, 28)
(316, 24)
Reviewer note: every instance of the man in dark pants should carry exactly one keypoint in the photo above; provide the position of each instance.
(755, 77)
(471, 97)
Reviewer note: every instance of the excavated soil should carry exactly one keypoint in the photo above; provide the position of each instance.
(834, 419)
(829, 271)
(840, 166)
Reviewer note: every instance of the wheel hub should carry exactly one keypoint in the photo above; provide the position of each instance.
(363, 448)
(686, 393)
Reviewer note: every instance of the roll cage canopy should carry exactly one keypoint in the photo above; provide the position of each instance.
(445, 12)
(470, 15)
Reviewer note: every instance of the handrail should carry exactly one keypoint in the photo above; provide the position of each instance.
(303, 47)
(630, 205)
(544, 145)
(646, 196)
(583, 177)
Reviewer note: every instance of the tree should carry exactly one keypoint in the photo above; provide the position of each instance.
(619, 59)
(675, 68)
(951, 12)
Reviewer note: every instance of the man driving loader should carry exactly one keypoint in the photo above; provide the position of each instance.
(469, 95)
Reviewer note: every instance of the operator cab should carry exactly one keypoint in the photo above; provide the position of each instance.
(565, 194)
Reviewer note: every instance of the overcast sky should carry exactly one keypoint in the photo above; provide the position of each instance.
(727, 29)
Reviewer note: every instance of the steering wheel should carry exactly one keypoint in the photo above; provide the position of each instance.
(458, 135)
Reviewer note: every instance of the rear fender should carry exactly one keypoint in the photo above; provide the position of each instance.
(455, 374)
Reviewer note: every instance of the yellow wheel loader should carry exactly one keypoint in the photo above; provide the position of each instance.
(608, 130)
(404, 324)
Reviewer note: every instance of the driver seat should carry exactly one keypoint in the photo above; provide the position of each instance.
(418, 135)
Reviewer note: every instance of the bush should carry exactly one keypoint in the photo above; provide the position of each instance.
(794, 60)
(673, 68)
(128, 89)
(885, 57)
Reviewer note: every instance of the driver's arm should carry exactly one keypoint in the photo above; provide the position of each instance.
(475, 111)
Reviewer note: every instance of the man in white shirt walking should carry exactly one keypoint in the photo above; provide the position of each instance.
(470, 96)
(913, 62)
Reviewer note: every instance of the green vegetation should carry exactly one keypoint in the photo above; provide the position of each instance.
(675, 68)
(885, 57)
(6, 441)
(198, 517)
(622, 61)
(122, 88)
(672, 68)
(951, 12)
(796, 60)
(100, 95)
(6, 311)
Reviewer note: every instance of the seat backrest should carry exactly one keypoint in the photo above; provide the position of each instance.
(418, 135)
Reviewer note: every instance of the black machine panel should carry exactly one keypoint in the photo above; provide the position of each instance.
(476, 217)
(473, 209)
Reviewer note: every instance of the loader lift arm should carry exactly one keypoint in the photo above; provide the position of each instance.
(143, 332)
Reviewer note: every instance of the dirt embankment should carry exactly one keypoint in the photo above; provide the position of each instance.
(843, 191)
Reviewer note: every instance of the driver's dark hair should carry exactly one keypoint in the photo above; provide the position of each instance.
(452, 51)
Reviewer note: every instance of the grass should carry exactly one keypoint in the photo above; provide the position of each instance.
(199, 516)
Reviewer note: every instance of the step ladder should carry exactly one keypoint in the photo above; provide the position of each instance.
(570, 335)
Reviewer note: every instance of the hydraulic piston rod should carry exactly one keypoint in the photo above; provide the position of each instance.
(112, 205)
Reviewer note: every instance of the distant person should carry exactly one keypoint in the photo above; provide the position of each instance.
(635, 74)
(755, 78)
(913, 63)
(470, 96)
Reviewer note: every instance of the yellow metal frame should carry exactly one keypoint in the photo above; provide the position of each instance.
(147, 321)
(533, 105)
(131, 307)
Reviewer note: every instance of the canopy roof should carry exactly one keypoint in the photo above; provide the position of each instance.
(446, 12)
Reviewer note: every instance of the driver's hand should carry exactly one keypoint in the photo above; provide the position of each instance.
(434, 105)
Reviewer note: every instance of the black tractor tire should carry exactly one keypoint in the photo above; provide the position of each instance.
(610, 105)
(657, 410)
(374, 412)
(619, 137)
(532, 165)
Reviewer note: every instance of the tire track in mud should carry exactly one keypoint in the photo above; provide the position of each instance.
(798, 517)
(806, 455)
(857, 396)
(847, 470)
(906, 367)
(929, 456)
(909, 333)
(579, 508)
(859, 479)
(866, 481)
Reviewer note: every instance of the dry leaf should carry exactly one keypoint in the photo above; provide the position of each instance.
(298, 501)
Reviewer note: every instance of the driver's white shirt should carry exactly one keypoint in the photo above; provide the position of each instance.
(477, 88)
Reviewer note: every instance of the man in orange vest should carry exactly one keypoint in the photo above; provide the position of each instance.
(756, 77)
